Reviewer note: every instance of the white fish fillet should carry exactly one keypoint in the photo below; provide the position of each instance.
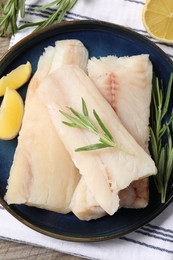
(43, 173)
(126, 84)
(105, 171)
(64, 52)
(83, 203)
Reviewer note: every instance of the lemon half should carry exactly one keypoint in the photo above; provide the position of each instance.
(16, 78)
(11, 114)
(157, 18)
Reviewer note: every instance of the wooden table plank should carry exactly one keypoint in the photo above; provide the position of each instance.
(12, 250)
(4, 43)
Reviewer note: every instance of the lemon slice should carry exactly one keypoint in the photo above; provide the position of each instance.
(157, 18)
(11, 114)
(16, 78)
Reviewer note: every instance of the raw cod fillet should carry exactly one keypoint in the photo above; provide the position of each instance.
(126, 84)
(105, 171)
(42, 173)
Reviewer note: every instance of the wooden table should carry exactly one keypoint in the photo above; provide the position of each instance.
(12, 250)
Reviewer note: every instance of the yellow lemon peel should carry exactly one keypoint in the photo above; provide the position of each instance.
(11, 114)
(16, 78)
(157, 17)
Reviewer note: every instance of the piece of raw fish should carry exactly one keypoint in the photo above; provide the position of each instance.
(69, 52)
(105, 171)
(126, 84)
(42, 173)
(64, 52)
(83, 203)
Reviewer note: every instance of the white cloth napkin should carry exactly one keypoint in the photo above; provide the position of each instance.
(154, 240)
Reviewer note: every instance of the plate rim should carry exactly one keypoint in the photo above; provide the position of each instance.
(64, 24)
(5, 61)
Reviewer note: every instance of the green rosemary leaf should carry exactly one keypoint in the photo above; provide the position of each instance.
(169, 165)
(91, 147)
(5, 24)
(3, 19)
(85, 119)
(106, 131)
(74, 120)
(169, 138)
(29, 25)
(75, 112)
(7, 7)
(166, 125)
(161, 163)
(161, 167)
(48, 21)
(167, 99)
(168, 171)
(105, 139)
(69, 124)
(22, 8)
(154, 146)
(169, 161)
(13, 22)
(84, 108)
(47, 5)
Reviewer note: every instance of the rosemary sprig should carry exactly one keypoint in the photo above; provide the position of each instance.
(9, 13)
(11, 9)
(63, 6)
(162, 135)
(83, 121)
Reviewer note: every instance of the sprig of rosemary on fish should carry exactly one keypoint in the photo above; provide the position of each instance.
(12, 8)
(84, 121)
(162, 134)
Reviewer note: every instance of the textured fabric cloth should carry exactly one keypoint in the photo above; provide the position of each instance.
(152, 241)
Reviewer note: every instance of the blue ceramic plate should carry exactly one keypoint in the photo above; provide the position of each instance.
(100, 39)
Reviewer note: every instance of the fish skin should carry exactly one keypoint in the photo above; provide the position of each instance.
(106, 170)
(42, 173)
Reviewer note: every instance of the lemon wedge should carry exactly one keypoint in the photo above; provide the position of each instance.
(157, 17)
(11, 114)
(16, 78)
